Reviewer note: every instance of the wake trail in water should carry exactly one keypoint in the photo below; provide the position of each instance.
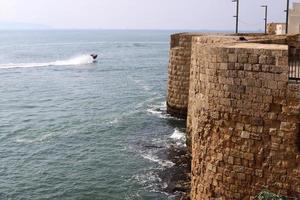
(79, 60)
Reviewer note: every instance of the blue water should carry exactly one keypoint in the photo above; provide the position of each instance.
(74, 129)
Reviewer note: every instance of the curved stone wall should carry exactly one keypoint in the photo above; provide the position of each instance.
(179, 69)
(243, 121)
(179, 75)
(178, 86)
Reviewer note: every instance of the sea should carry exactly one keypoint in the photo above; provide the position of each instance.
(72, 128)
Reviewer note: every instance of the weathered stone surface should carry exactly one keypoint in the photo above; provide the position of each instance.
(242, 119)
(179, 73)
(180, 64)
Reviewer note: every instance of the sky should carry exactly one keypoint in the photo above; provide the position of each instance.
(138, 14)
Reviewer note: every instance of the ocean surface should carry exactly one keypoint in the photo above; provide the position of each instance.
(74, 129)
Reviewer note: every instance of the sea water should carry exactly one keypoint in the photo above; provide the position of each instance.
(72, 128)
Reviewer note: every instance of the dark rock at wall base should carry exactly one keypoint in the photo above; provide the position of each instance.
(267, 195)
(178, 177)
(180, 113)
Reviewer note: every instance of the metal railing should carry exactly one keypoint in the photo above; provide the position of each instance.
(294, 64)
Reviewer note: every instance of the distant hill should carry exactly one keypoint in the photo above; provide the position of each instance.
(22, 26)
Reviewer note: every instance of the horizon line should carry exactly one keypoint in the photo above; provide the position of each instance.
(125, 29)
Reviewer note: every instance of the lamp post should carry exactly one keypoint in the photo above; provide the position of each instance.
(287, 16)
(237, 15)
(266, 17)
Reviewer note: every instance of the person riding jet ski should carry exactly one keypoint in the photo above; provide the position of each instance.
(94, 56)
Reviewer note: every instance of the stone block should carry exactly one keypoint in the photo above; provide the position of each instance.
(241, 176)
(255, 136)
(271, 60)
(259, 173)
(282, 61)
(273, 131)
(211, 167)
(263, 60)
(239, 66)
(245, 135)
(265, 68)
(288, 126)
(256, 67)
(243, 58)
(253, 59)
(249, 156)
(272, 116)
(247, 67)
(238, 168)
(230, 160)
(224, 66)
(272, 85)
(240, 126)
(232, 58)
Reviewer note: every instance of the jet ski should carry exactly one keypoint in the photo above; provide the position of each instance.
(94, 56)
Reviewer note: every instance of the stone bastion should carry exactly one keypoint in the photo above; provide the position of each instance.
(242, 112)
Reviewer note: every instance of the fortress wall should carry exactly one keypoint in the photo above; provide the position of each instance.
(179, 69)
(243, 122)
(179, 73)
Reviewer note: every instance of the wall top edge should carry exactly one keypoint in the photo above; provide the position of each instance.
(256, 46)
(216, 34)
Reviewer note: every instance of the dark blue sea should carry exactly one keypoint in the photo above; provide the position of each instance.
(72, 128)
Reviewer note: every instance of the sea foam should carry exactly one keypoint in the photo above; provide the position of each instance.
(178, 135)
(79, 60)
(154, 158)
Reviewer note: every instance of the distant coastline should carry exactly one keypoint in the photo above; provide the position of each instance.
(23, 26)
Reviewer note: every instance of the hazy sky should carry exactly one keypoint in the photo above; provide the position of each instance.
(141, 14)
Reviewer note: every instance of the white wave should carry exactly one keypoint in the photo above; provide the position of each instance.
(160, 111)
(35, 140)
(147, 101)
(178, 135)
(147, 178)
(155, 112)
(79, 60)
(114, 121)
(122, 116)
(153, 158)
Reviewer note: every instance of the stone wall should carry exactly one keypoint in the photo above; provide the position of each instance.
(179, 74)
(179, 69)
(243, 118)
(243, 122)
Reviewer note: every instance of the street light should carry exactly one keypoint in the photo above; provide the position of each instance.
(287, 16)
(266, 17)
(237, 15)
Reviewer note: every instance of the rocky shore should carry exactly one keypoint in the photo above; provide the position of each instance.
(178, 177)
